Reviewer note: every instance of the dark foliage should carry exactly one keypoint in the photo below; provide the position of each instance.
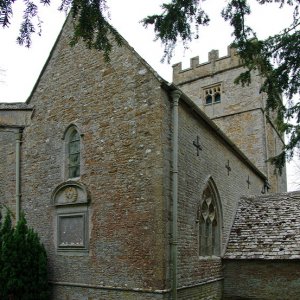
(90, 23)
(176, 21)
(277, 60)
(23, 262)
(91, 26)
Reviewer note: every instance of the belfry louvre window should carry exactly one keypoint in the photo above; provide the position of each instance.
(209, 223)
(74, 154)
(212, 94)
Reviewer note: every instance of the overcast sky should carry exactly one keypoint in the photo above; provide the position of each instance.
(20, 67)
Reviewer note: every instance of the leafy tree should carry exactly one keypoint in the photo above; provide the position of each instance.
(23, 262)
(276, 58)
(91, 22)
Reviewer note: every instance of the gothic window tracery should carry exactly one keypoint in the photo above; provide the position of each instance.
(209, 223)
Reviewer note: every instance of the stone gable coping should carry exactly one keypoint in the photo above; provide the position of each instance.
(266, 227)
(124, 44)
(15, 106)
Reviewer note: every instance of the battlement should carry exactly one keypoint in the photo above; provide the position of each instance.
(215, 64)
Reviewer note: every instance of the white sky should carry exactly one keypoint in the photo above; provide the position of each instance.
(22, 66)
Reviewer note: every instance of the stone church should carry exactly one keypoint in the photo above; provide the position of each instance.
(144, 189)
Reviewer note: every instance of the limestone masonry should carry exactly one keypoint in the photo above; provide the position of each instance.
(132, 183)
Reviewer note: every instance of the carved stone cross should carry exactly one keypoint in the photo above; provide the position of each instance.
(248, 181)
(228, 168)
(197, 145)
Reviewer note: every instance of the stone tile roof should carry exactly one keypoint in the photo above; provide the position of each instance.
(266, 227)
(15, 106)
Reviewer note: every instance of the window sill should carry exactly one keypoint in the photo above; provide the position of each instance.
(208, 104)
(73, 179)
(70, 252)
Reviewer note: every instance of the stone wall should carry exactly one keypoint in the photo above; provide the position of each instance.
(120, 112)
(204, 291)
(213, 66)
(248, 138)
(123, 117)
(240, 113)
(13, 118)
(7, 169)
(234, 98)
(105, 293)
(274, 146)
(262, 279)
(194, 172)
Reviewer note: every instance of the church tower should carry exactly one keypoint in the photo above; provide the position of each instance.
(238, 111)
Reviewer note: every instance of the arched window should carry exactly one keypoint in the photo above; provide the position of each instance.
(72, 152)
(209, 218)
(217, 97)
(208, 99)
(213, 94)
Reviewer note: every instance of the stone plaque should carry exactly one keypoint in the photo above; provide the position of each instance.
(71, 231)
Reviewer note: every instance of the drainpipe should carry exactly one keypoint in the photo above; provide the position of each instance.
(18, 194)
(266, 143)
(175, 98)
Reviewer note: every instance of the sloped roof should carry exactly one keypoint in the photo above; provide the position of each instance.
(266, 227)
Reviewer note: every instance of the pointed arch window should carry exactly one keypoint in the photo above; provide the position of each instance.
(72, 152)
(209, 219)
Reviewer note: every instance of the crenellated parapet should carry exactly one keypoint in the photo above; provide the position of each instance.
(214, 65)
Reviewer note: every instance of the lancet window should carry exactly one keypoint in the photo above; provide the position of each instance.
(72, 152)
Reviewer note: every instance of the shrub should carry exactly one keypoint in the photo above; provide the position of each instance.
(23, 262)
